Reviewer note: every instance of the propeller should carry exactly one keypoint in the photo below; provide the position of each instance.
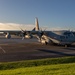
(23, 32)
(41, 32)
(26, 34)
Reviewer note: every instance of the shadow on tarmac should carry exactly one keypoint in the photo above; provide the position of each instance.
(56, 52)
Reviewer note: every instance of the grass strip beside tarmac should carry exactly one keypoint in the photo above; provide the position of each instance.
(56, 69)
(34, 63)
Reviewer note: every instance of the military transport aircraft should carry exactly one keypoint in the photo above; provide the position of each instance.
(62, 37)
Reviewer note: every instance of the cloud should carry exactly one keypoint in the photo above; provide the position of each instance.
(14, 26)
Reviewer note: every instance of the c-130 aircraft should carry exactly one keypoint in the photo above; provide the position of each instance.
(62, 37)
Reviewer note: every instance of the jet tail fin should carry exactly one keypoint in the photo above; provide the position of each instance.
(37, 24)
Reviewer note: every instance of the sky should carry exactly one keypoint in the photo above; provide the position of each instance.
(52, 14)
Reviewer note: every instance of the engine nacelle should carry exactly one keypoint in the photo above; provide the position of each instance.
(44, 40)
(28, 36)
(8, 36)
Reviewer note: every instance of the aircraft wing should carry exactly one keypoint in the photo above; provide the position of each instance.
(12, 32)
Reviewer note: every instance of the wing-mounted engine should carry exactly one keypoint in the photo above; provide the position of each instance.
(8, 36)
(26, 34)
(42, 38)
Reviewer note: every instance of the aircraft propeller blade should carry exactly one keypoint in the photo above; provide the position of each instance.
(23, 32)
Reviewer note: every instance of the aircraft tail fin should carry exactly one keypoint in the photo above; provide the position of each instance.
(37, 24)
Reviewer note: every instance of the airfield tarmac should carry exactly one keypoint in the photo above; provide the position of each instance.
(16, 49)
